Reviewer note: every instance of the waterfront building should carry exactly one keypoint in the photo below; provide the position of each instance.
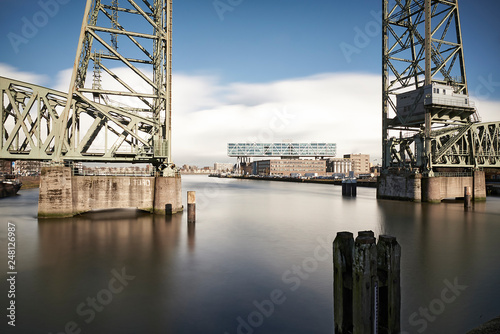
(223, 167)
(287, 151)
(360, 163)
(27, 167)
(287, 167)
(283, 150)
(339, 166)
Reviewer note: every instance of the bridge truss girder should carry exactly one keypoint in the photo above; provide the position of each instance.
(467, 146)
(31, 120)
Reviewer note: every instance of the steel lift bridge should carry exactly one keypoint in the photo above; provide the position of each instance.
(429, 123)
(118, 107)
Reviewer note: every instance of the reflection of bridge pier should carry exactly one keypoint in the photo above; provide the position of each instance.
(75, 259)
(64, 195)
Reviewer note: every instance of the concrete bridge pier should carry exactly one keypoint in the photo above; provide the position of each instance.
(167, 190)
(435, 189)
(401, 187)
(417, 188)
(63, 194)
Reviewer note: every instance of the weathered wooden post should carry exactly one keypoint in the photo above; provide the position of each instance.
(191, 199)
(367, 286)
(366, 234)
(364, 280)
(467, 198)
(389, 285)
(343, 253)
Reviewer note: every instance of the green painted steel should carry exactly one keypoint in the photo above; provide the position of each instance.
(122, 115)
(468, 146)
(428, 120)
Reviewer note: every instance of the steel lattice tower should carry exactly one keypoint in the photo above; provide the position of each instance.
(424, 83)
(132, 119)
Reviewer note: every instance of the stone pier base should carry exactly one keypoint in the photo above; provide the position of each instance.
(65, 195)
(400, 187)
(168, 192)
(430, 189)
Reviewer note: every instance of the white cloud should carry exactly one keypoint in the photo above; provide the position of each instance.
(341, 108)
(62, 80)
(13, 73)
(489, 111)
(194, 93)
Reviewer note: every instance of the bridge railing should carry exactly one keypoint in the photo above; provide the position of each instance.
(96, 172)
(450, 174)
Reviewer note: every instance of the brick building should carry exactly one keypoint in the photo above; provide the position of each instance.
(285, 167)
(5, 167)
(27, 167)
(360, 163)
(223, 167)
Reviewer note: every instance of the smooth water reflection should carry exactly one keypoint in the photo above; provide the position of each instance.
(252, 240)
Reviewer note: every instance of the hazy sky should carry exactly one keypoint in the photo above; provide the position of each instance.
(261, 70)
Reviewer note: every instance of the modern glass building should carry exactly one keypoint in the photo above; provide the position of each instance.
(317, 150)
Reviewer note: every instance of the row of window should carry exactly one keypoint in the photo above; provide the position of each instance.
(315, 170)
(436, 91)
(298, 164)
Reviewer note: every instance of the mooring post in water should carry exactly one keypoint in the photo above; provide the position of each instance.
(467, 198)
(349, 187)
(364, 280)
(191, 199)
(389, 285)
(343, 254)
(367, 285)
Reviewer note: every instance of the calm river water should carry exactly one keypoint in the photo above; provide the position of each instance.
(255, 262)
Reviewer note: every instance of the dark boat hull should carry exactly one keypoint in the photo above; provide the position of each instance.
(8, 188)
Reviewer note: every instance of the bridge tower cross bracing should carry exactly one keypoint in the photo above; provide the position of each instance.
(123, 115)
(137, 100)
(426, 110)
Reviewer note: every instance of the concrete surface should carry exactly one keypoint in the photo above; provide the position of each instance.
(65, 195)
